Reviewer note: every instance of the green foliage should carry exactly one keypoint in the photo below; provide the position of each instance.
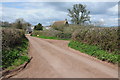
(14, 48)
(63, 35)
(10, 57)
(52, 33)
(36, 32)
(20, 24)
(38, 27)
(45, 37)
(11, 37)
(95, 51)
(59, 27)
(49, 33)
(105, 38)
(79, 14)
(5, 24)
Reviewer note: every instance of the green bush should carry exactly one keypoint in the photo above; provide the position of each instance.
(49, 33)
(14, 47)
(11, 37)
(38, 27)
(59, 28)
(63, 35)
(106, 38)
(35, 32)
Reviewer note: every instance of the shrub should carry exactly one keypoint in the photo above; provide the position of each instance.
(14, 46)
(35, 32)
(38, 27)
(63, 35)
(106, 38)
(59, 28)
(11, 37)
(49, 33)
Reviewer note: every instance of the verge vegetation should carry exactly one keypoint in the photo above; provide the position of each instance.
(95, 51)
(14, 48)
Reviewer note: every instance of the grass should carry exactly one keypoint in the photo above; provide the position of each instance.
(18, 62)
(46, 37)
(15, 56)
(95, 51)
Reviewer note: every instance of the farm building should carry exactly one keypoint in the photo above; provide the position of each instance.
(58, 23)
(46, 27)
(30, 29)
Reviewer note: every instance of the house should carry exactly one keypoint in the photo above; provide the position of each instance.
(59, 23)
(46, 27)
(30, 29)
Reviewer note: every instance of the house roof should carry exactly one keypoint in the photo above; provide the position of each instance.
(60, 22)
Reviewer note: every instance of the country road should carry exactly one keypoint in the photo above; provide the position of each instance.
(54, 59)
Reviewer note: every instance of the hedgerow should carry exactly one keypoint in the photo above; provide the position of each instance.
(14, 47)
(105, 38)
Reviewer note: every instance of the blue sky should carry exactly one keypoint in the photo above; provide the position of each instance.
(46, 13)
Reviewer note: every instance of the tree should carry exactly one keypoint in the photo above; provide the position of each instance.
(79, 14)
(21, 24)
(38, 27)
(5, 24)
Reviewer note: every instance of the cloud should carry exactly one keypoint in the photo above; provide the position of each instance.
(47, 12)
(102, 20)
(33, 15)
(100, 7)
(113, 10)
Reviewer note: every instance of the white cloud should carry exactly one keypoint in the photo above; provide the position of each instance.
(1, 11)
(46, 13)
(39, 15)
(102, 20)
(113, 10)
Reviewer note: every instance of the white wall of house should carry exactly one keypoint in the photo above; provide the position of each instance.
(29, 28)
(46, 27)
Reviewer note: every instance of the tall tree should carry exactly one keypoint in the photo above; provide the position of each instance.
(21, 24)
(5, 24)
(79, 14)
(38, 27)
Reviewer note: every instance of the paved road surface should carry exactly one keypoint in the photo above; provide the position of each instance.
(53, 59)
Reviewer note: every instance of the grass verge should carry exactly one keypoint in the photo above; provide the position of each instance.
(95, 51)
(46, 37)
(15, 56)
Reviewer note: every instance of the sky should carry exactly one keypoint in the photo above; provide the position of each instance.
(48, 12)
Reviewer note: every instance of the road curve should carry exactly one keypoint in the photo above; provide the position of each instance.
(53, 59)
